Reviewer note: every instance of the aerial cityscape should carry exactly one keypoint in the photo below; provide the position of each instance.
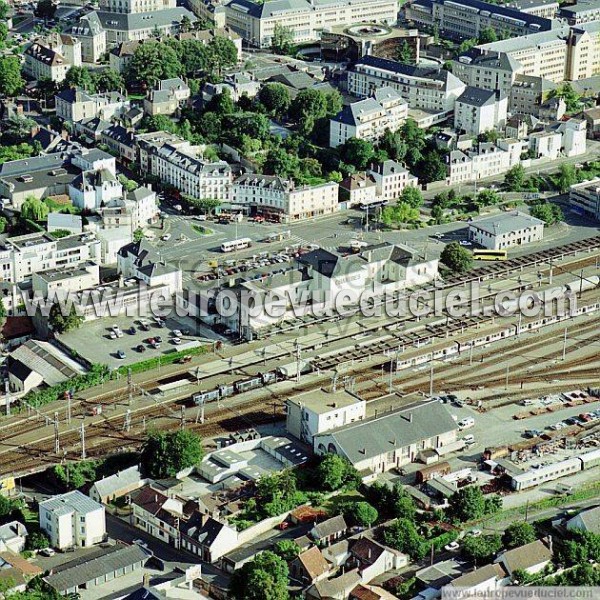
(299, 299)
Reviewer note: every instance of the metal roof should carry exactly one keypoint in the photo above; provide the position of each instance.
(71, 502)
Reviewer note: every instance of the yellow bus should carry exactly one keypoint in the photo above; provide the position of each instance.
(490, 254)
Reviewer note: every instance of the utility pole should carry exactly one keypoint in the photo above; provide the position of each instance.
(69, 409)
(506, 382)
(431, 378)
(129, 386)
(297, 361)
(182, 418)
(127, 422)
(56, 440)
(7, 390)
(200, 413)
(471, 354)
(564, 352)
(82, 435)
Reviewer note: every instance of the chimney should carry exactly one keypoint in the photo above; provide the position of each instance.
(35, 130)
(155, 497)
(550, 543)
(146, 580)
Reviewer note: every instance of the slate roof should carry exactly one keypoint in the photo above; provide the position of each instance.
(126, 48)
(148, 20)
(313, 562)
(96, 565)
(526, 556)
(340, 587)
(89, 25)
(490, 60)
(590, 520)
(378, 435)
(330, 527)
(506, 222)
(117, 482)
(71, 502)
(478, 97)
(205, 534)
(262, 181)
(479, 576)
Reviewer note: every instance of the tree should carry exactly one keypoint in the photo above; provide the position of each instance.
(481, 548)
(62, 323)
(222, 103)
(166, 454)
(222, 54)
(11, 82)
(185, 25)
(79, 77)
(17, 129)
(335, 472)
(361, 513)
(357, 152)
(406, 54)
(3, 224)
(36, 540)
(549, 213)
(432, 167)
(151, 62)
(487, 198)
(282, 41)
(205, 205)
(468, 503)
(567, 176)
(45, 9)
(8, 153)
(414, 138)
(467, 45)
(34, 209)
(275, 97)
(138, 235)
(412, 196)
(514, 179)
(281, 163)
(108, 80)
(6, 506)
(129, 185)
(393, 144)
(569, 95)
(307, 108)
(518, 534)
(287, 549)
(403, 536)
(264, 578)
(488, 35)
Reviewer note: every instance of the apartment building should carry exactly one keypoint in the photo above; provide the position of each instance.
(74, 279)
(582, 12)
(136, 6)
(120, 56)
(75, 104)
(568, 138)
(390, 179)
(256, 22)
(564, 53)
(277, 197)
(311, 413)
(72, 520)
(485, 160)
(90, 33)
(487, 70)
(368, 119)
(585, 198)
(428, 88)
(528, 94)
(127, 27)
(24, 255)
(190, 174)
(51, 57)
(541, 8)
(167, 97)
(477, 111)
(502, 231)
(465, 19)
(136, 210)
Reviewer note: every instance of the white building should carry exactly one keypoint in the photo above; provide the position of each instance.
(167, 97)
(314, 412)
(191, 175)
(477, 111)
(391, 440)
(531, 558)
(51, 57)
(430, 89)
(368, 119)
(13, 537)
(505, 230)
(585, 197)
(92, 36)
(72, 520)
(75, 104)
(390, 179)
(136, 210)
(256, 22)
(63, 281)
(136, 6)
(273, 196)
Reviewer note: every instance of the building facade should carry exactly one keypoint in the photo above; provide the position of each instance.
(503, 231)
(51, 57)
(585, 198)
(477, 111)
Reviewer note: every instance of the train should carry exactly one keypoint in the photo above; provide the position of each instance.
(238, 387)
(542, 474)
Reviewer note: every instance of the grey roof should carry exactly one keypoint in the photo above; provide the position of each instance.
(191, 164)
(526, 556)
(139, 194)
(263, 181)
(204, 534)
(353, 114)
(24, 166)
(176, 83)
(117, 482)
(96, 565)
(149, 20)
(379, 435)
(479, 576)
(120, 134)
(278, 7)
(65, 220)
(340, 587)
(477, 97)
(580, 7)
(389, 167)
(506, 222)
(590, 519)
(71, 502)
(12, 530)
(330, 527)
(490, 60)
(89, 25)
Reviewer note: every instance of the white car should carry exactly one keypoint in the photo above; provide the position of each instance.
(115, 328)
(465, 243)
(113, 335)
(176, 341)
(466, 423)
(176, 333)
(141, 543)
(474, 532)
(452, 547)
(47, 552)
(166, 237)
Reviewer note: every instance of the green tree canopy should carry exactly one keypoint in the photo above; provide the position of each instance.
(33, 208)
(518, 533)
(62, 323)
(287, 549)
(402, 535)
(166, 454)
(108, 80)
(8, 153)
(547, 212)
(483, 548)
(264, 578)
(151, 62)
(275, 97)
(80, 77)
(567, 176)
(514, 179)
(282, 41)
(412, 196)
(432, 167)
(357, 152)
(11, 82)
(361, 513)
(335, 472)
(457, 259)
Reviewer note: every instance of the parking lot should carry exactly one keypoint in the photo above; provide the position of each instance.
(93, 340)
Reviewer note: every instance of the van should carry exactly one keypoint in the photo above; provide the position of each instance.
(469, 439)
(466, 423)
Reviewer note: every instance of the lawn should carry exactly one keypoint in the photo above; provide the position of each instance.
(332, 505)
(202, 230)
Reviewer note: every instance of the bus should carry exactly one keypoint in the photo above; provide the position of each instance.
(490, 254)
(236, 245)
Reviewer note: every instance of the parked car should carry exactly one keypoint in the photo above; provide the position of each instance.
(176, 341)
(131, 330)
(140, 348)
(120, 354)
(112, 335)
(166, 237)
(47, 552)
(531, 433)
(176, 333)
(452, 547)
(466, 423)
(465, 243)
